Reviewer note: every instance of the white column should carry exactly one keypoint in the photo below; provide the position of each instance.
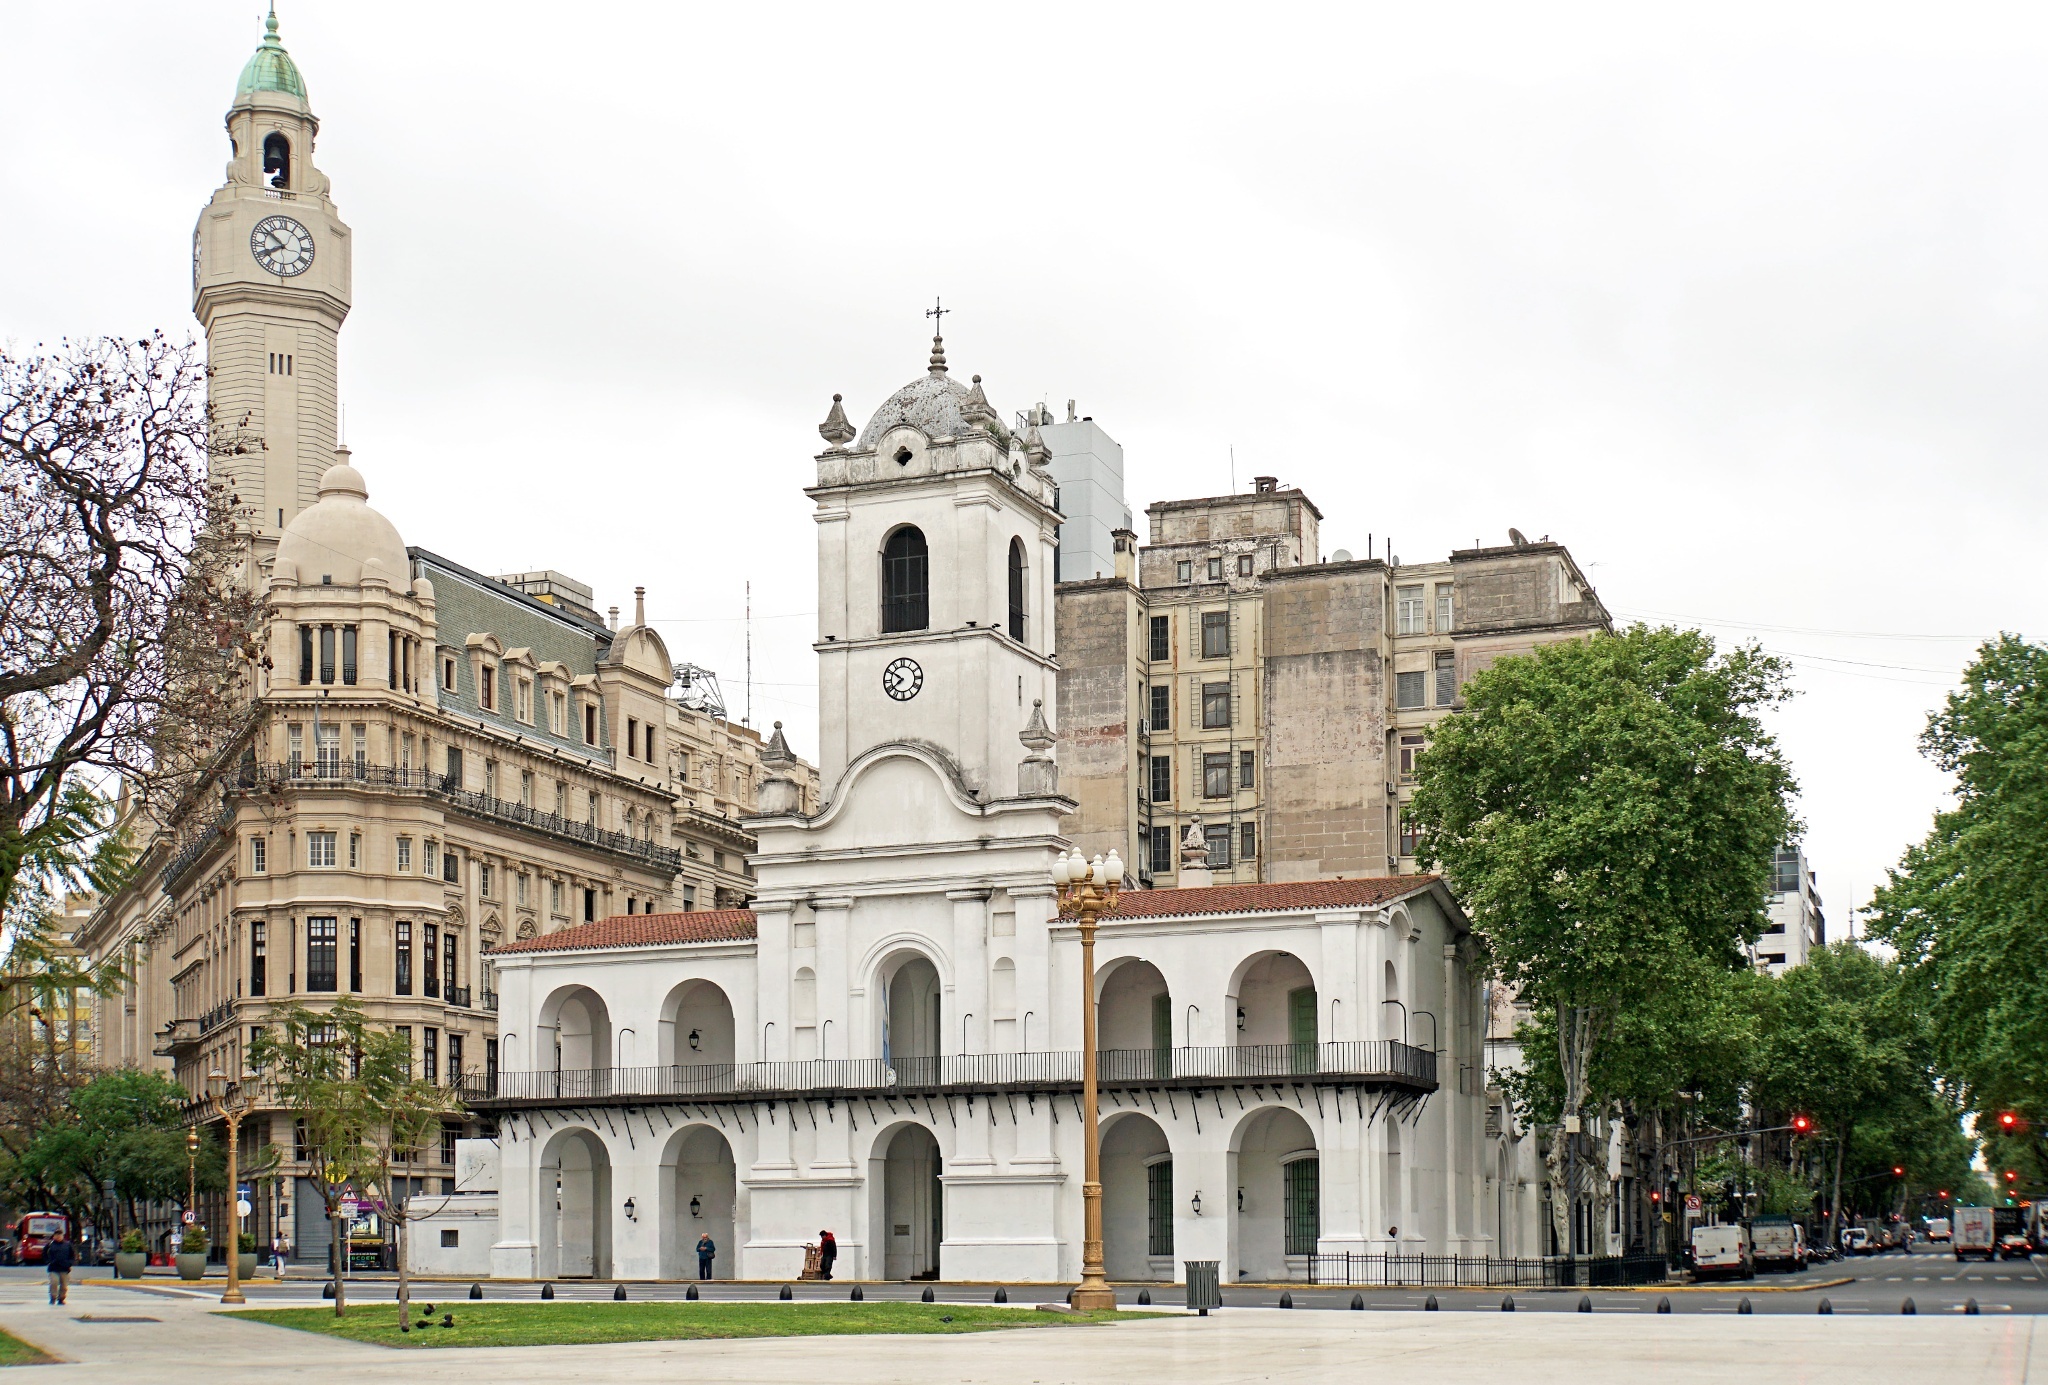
(1037, 905)
(969, 1015)
(771, 1041)
(835, 1034)
(513, 1256)
(1339, 999)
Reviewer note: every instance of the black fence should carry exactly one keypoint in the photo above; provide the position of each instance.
(1375, 1061)
(1485, 1272)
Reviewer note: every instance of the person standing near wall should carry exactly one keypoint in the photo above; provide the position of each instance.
(828, 1251)
(707, 1250)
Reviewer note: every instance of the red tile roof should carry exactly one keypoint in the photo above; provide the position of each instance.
(644, 930)
(1266, 899)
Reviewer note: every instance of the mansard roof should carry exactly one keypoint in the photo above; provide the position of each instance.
(1367, 892)
(643, 930)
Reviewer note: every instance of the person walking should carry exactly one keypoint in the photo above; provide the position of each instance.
(828, 1251)
(58, 1259)
(707, 1250)
(278, 1250)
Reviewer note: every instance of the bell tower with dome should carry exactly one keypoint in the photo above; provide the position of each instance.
(271, 285)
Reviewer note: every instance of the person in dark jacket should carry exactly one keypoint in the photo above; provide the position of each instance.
(58, 1258)
(828, 1251)
(706, 1250)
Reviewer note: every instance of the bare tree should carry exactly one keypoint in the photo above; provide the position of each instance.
(127, 617)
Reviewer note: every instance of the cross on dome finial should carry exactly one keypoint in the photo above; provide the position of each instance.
(937, 313)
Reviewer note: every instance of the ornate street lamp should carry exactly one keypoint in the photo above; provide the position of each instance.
(1088, 889)
(231, 1101)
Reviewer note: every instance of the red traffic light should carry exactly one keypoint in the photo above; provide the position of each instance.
(2007, 1120)
(1802, 1125)
(1944, 1193)
(1656, 1197)
(1897, 1171)
(2011, 1176)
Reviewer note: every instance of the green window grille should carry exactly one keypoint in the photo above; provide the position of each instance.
(1304, 1206)
(1162, 1035)
(1301, 1028)
(1159, 1208)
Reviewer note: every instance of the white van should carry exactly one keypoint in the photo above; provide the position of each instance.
(1722, 1252)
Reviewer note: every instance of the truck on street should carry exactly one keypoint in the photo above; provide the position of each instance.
(1974, 1234)
(1777, 1243)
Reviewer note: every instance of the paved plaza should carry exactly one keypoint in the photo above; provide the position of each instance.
(185, 1342)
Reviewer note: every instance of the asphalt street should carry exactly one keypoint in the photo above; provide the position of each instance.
(1931, 1277)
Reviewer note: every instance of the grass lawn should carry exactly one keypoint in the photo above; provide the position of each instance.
(554, 1324)
(15, 1352)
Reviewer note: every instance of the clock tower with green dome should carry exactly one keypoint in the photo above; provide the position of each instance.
(270, 284)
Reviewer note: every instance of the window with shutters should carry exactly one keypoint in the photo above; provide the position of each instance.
(1216, 775)
(1215, 634)
(1215, 569)
(1244, 564)
(1161, 718)
(1410, 688)
(1162, 779)
(1410, 616)
(1184, 571)
(1162, 638)
(1246, 770)
(1446, 679)
(1159, 1208)
(1216, 705)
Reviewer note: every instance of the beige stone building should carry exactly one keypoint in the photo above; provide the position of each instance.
(436, 761)
(1229, 671)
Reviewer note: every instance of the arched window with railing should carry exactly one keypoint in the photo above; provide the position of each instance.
(906, 582)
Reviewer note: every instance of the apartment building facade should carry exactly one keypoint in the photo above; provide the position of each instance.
(1230, 672)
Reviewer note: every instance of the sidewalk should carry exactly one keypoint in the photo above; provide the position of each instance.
(190, 1344)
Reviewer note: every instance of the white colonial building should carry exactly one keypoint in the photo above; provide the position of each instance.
(887, 1044)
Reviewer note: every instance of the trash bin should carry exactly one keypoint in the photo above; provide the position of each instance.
(1204, 1292)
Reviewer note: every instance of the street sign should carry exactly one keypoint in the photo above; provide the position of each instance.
(241, 1207)
(347, 1208)
(191, 1219)
(1692, 1202)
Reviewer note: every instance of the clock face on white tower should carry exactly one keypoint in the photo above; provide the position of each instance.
(282, 246)
(902, 679)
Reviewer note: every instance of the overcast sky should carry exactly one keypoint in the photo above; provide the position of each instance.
(1747, 308)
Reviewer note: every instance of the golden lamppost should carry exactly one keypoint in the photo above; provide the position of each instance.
(231, 1101)
(1088, 889)
(192, 1176)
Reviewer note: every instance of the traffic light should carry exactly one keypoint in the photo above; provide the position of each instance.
(2008, 1121)
(1944, 1195)
(1898, 1171)
(2012, 1176)
(1802, 1124)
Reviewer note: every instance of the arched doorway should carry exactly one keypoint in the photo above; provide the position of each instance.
(1137, 1199)
(1134, 1023)
(575, 1207)
(699, 1190)
(913, 1203)
(696, 1043)
(575, 1042)
(912, 1035)
(1279, 1188)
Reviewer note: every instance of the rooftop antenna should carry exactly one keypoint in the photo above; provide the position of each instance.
(750, 653)
(344, 425)
(1233, 468)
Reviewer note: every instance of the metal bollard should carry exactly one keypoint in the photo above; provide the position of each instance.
(1826, 1307)
(1585, 1303)
(1428, 1304)
(1286, 1300)
(785, 1295)
(1743, 1307)
(1002, 1295)
(1908, 1308)
(547, 1291)
(859, 1295)
(1970, 1308)
(1144, 1298)
(1664, 1303)
(1507, 1303)
(690, 1295)
(927, 1296)
(476, 1291)
(619, 1293)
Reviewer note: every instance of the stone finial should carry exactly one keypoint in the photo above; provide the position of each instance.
(938, 361)
(1194, 857)
(1039, 773)
(1034, 445)
(975, 408)
(639, 605)
(780, 794)
(836, 429)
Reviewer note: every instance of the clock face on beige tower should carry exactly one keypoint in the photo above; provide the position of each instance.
(282, 246)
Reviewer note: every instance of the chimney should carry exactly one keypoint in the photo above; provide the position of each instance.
(639, 605)
(1126, 545)
(615, 616)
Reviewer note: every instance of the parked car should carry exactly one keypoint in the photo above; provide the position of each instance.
(1856, 1241)
(1722, 1252)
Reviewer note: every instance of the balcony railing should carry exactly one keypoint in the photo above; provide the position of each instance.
(459, 996)
(339, 772)
(189, 854)
(1378, 1061)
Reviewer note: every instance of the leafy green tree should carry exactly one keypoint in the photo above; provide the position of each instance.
(125, 1128)
(1607, 810)
(361, 1111)
(1842, 1043)
(1967, 908)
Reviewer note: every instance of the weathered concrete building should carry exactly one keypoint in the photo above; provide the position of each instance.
(1228, 671)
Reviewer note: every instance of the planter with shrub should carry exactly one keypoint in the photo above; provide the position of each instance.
(192, 1254)
(133, 1255)
(245, 1261)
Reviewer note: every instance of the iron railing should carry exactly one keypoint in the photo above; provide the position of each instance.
(189, 854)
(1475, 1271)
(1379, 1060)
(491, 1001)
(458, 996)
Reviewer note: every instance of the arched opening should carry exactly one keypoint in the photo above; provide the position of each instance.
(696, 1043)
(1276, 1011)
(699, 1191)
(575, 1042)
(1393, 1014)
(906, 581)
(1134, 1023)
(1390, 1183)
(1017, 590)
(912, 1037)
(913, 1197)
(1137, 1199)
(277, 160)
(575, 1207)
(1279, 1195)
